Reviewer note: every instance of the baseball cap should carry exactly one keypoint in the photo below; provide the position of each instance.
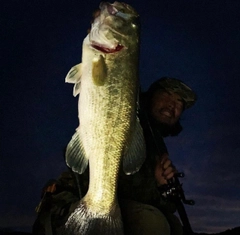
(177, 86)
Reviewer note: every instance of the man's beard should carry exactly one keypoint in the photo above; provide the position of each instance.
(166, 129)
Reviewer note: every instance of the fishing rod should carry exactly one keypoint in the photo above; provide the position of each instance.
(173, 191)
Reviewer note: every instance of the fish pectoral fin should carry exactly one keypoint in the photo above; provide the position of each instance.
(74, 76)
(75, 155)
(76, 89)
(99, 70)
(135, 153)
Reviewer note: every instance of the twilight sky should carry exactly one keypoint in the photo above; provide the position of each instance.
(197, 41)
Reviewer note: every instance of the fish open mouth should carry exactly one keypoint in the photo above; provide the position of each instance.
(104, 45)
(107, 50)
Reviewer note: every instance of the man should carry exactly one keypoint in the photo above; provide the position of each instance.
(144, 210)
(58, 200)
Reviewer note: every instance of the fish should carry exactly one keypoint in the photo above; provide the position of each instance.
(109, 136)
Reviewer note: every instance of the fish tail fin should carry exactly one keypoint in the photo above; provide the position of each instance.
(85, 221)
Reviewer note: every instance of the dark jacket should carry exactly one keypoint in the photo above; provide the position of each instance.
(142, 186)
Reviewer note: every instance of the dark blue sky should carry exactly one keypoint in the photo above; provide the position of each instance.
(196, 41)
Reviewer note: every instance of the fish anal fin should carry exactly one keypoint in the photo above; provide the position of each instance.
(99, 70)
(135, 153)
(75, 154)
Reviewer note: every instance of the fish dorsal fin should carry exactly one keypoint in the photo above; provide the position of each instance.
(135, 152)
(99, 70)
(75, 155)
(74, 76)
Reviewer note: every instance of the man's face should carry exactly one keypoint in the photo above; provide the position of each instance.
(167, 107)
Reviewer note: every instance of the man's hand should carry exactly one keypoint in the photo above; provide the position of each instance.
(51, 188)
(164, 170)
(95, 14)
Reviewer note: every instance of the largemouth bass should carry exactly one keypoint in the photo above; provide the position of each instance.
(109, 132)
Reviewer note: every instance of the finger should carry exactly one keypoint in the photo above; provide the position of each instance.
(164, 157)
(96, 13)
(167, 163)
(169, 176)
(48, 189)
(167, 171)
(53, 188)
(161, 180)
